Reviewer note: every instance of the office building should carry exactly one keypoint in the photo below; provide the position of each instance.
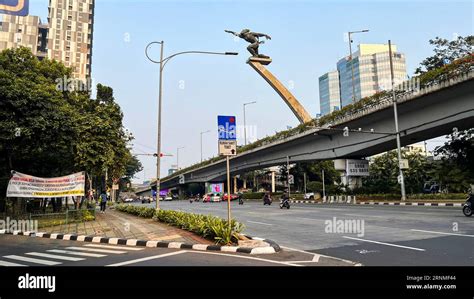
(29, 31)
(329, 93)
(367, 73)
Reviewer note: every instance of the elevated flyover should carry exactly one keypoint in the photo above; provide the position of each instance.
(428, 113)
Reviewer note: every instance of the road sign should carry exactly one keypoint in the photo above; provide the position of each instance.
(227, 147)
(404, 164)
(226, 127)
(291, 179)
(115, 187)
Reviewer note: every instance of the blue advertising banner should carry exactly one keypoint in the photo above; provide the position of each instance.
(226, 127)
(14, 7)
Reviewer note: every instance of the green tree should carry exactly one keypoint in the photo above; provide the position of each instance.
(446, 51)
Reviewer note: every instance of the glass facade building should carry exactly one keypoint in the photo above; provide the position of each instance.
(329, 94)
(371, 67)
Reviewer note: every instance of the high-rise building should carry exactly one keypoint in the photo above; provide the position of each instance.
(70, 34)
(29, 31)
(67, 37)
(371, 68)
(329, 93)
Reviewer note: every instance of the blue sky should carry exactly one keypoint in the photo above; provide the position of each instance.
(307, 40)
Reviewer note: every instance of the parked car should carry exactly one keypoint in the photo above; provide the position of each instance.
(309, 196)
(232, 197)
(211, 197)
(128, 200)
(146, 200)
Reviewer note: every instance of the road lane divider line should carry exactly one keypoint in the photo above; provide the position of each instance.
(96, 250)
(54, 256)
(32, 260)
(383, 243)
(441, 233)
(146, 259)
(263, 223)
(9, 264)
(114, 247)
(76, 253)
(246, 257)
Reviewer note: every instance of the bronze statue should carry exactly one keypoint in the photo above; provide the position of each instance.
(253, 39)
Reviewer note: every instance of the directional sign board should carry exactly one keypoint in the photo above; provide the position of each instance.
(14, 7)
(226, 128)
(404, 164)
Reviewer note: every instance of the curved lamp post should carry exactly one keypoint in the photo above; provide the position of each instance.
(162, 62)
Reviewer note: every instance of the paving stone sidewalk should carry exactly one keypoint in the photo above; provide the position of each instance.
(115, 224)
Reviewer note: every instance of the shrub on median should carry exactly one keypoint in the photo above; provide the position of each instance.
(209, 227)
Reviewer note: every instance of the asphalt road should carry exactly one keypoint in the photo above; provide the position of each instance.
(31, 251)
(392, 235)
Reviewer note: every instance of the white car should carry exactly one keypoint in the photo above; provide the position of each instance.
(309, 196)
(128, 200)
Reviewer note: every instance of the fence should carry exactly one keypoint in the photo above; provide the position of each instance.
(63, 219)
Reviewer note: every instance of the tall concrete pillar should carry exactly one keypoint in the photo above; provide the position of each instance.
(235, 184)
(273, 181)
(245, 183)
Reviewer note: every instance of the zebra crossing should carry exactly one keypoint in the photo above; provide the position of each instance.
(55, 257)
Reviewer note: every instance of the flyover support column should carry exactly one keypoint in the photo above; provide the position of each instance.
(235, 185)
(273, 182)
(245, 184)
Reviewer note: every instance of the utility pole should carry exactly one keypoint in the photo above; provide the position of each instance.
(324, 188)
(352, 64)
(395, 112)
(245, 125)
(288, 174)
(177, 157)
(201, 141)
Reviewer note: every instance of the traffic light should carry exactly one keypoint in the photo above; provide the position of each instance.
(345, 132)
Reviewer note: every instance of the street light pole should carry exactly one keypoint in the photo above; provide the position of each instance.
(201, 140)
(352, 65)
(162, 62)
(245, 125)
(395, 112)
(177, 157)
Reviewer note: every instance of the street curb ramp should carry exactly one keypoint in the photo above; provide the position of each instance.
(272, 248)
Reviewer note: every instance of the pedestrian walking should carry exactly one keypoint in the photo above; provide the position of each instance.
(103, 202)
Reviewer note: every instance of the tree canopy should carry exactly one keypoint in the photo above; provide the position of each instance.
(48, 131)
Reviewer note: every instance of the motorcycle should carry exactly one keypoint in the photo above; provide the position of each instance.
(267, 201)
(468, 205)
(241, 201)
(285, 203)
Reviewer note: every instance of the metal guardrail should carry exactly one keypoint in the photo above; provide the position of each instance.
(63, 218)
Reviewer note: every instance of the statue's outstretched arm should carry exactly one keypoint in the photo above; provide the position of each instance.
(232, 32)
(261, 35)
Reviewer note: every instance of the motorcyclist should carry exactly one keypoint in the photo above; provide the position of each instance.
(267, 198)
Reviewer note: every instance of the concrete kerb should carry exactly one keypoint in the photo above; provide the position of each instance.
(349, 201)
(270, 249)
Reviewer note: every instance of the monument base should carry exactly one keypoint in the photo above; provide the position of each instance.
(261, 60)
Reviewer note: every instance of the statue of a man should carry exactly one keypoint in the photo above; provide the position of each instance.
(253, 39)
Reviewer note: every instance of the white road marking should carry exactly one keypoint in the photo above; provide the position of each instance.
(32, 260)
(382, 243)
(96, 250)
(361, 215)
(247, 257)
(441, 233)
(76, 253)
(114, 247)
(54, 256)
(145, 259)
(259, 223)
(8, 264)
